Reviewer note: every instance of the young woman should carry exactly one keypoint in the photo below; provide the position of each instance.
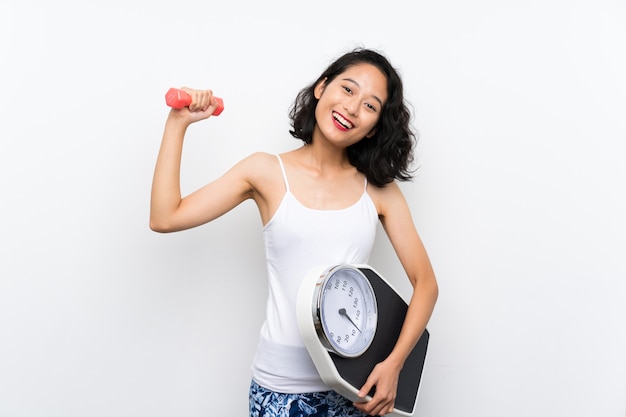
(319, 204)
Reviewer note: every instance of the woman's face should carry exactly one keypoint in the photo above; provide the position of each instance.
(350, 105)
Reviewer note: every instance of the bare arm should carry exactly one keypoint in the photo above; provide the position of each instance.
(398, 224)
(168, 210)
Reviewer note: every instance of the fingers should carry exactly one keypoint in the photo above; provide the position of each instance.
(365, 389)
(381, 403)
(377, 406)
(201, 100)
(383, 400)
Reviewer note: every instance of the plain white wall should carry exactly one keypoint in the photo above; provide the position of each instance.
(519, 198)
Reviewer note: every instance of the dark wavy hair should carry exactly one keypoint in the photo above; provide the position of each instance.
(388, 154)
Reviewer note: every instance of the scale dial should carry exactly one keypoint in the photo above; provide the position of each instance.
(346, 313)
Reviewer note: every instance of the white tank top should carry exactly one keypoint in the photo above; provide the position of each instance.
(298, 238)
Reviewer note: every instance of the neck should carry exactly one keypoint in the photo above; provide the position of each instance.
(324, 157)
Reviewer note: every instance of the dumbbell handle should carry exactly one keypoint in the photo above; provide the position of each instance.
(177, 99)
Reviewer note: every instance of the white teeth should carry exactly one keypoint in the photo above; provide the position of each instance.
(343, 121)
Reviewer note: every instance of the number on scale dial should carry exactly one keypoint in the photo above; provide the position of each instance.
(347, 311)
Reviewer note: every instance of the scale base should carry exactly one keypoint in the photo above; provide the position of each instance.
(348, 375)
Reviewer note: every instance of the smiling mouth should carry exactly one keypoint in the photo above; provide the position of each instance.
(342, 121)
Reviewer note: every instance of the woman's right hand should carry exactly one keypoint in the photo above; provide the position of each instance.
(202, 106)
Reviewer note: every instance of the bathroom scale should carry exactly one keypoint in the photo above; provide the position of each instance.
(350, 318)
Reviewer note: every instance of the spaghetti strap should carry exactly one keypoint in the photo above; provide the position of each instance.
(282, 168)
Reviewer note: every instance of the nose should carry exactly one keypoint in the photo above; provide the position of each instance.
(351, 105)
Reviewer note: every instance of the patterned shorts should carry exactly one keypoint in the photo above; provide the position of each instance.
(266, 403)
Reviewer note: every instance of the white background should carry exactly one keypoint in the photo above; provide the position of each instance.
(519, 198)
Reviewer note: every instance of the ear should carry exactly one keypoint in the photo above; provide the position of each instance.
(371, 132)
(319, 88)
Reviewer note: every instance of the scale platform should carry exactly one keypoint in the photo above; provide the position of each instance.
(347, 375)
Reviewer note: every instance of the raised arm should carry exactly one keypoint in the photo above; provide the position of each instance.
(170, 212)
(398, 224)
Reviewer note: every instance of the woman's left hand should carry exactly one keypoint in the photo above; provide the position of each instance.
(384, 377)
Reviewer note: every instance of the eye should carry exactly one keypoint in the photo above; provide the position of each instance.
(371, 107)
(347, 89)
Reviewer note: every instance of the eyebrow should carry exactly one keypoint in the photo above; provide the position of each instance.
(359, 85)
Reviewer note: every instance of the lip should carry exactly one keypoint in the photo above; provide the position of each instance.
(342, 122)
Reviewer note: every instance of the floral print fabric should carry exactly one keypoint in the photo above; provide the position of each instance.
(266, 403)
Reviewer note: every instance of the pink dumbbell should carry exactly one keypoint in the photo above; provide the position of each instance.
(178, 99)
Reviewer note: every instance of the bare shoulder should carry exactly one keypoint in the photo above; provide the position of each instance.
(259, 160)
(257, 166)
(387, 198)
(262, 171)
